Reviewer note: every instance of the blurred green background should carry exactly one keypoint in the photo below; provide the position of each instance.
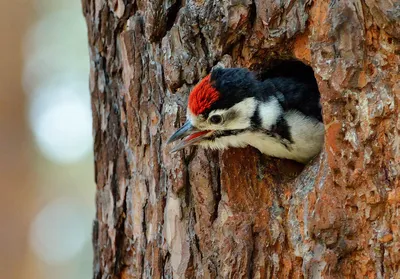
(46, 163)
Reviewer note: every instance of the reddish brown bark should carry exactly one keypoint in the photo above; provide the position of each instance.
(238, 214)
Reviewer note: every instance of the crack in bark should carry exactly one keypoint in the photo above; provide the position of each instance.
(165, 261)
(120, 233)
(250, 265)
(252, 14)
(144, 229)
(172, 13)
(382, 259)
(203, 40)
(96, 250)
(217, 191)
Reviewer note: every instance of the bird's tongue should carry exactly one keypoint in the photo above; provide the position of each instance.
(191, 139)
(195, 135)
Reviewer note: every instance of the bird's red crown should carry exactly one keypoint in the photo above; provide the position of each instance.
(202, 96)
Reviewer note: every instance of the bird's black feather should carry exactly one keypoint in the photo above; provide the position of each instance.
(234, 85)
(297, 95)
(293, 92)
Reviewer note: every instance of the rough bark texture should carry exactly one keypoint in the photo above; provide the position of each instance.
(238, 214)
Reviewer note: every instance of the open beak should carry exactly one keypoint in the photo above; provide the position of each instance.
(189, 134)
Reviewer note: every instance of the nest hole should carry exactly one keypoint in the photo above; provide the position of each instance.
(286, 68)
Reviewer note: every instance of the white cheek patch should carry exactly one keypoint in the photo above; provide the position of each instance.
(242, 112)
(269, 112)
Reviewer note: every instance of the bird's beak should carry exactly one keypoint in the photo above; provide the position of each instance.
(189, 134)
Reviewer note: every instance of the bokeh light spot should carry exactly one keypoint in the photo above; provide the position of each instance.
(61, 120)
(59, 231)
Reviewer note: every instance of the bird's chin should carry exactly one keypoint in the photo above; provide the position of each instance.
(195, 138)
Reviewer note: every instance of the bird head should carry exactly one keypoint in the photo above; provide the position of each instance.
(221, 105)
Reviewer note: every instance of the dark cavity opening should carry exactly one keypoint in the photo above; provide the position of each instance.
(287, 68)
(172, 13)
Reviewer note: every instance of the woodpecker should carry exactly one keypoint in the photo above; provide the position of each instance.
(280, 116)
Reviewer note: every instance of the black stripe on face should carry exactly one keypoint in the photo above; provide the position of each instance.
(226, 133)
(256, 118)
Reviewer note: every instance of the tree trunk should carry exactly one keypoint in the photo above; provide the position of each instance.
(239, 214)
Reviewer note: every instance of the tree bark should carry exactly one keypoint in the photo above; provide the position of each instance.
(239, 214)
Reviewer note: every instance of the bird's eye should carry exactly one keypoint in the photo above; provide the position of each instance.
(216, 119)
